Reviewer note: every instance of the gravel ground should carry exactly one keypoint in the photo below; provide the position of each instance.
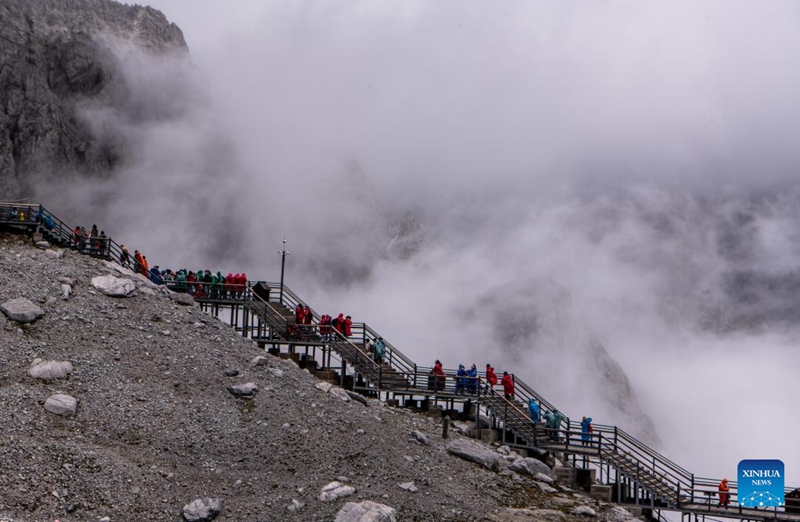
(156, 426)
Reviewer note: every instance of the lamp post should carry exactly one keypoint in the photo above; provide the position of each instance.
(283, 254)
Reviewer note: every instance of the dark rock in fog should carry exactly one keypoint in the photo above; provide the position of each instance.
(58, 61)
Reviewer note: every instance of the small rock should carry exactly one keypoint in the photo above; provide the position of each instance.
(55, 254)
(181, 299)
(259, 360)
(360, 431)
(21, 310)
(202, 510)
(421, 437)
(357, 397)
(114, 286)
(244, 391)
(66, 291)
(541, 477)
(296, 505)
(408, 486)
(584, 511)
(545, 487)
(335, 490)
(64, 280)
(231, 372)
(277, 372)
(531, 467)
(366, 511)
(475, 452)
(42, 244)
(324, 386)
(49, 370)
(60, 404)
(340, 393)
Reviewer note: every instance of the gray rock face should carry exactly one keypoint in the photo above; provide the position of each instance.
(49, 370)
(60, 404)
(21, 310)
(55, 56)
(474, 452)
(247, 390)
(335, 490)
(114, 286)
(366, 511)
(202, 509)
(531, 467)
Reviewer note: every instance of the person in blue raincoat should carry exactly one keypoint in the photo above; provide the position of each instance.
(533, 406)
(461, 379)
(379, 350)
(586, 430)
(472, 381)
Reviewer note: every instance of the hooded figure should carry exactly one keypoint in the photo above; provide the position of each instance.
(586, 430)
(553, 419)
(379, 350)
(472, 382)
(724, 496)
(508, 386)
(461, 381)
(533, 406)
(491, 377)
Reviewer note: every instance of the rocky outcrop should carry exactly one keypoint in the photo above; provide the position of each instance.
(60, 61)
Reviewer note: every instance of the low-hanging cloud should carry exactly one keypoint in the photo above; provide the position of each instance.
(564, 180)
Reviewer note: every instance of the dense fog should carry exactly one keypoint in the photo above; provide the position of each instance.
(549, 187)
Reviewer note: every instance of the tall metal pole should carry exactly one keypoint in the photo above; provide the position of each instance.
(283, 254)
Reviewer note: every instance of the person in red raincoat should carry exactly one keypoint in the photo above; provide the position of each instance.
(348, 325)
(724, 496)
(438, 375)
(508, 386)
(307, 315)
(299, 314)
(242, 284)
(491, 377)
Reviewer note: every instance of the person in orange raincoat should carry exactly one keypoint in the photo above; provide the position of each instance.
(724, 496)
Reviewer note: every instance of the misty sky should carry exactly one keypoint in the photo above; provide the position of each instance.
(579, 171)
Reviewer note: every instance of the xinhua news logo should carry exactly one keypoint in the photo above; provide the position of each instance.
(760, 483)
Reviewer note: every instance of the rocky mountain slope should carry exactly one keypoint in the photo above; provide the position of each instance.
(62, 85)
(155, 425)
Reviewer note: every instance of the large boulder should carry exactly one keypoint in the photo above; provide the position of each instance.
(60, 404)
(49, 370)
(475, 452)
(366, 511)
(21, 310)
(202, 509)
(114, 286)
(531, 467)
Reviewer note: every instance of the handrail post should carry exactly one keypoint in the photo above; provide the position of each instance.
(415, 375)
